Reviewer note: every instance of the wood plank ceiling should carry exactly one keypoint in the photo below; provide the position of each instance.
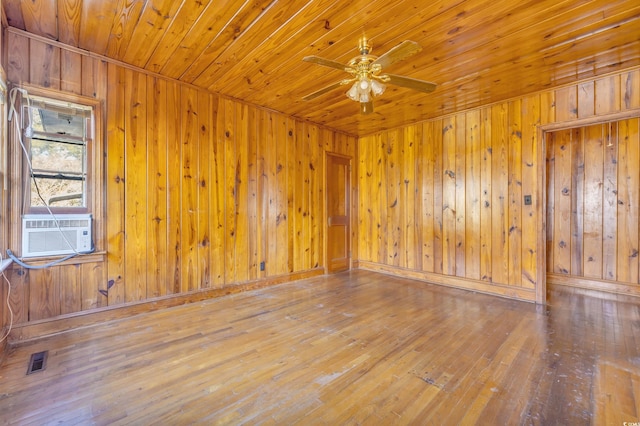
(477, 51)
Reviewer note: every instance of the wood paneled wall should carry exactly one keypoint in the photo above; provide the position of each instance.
(443, 200)
(199, 189)
(593, 207)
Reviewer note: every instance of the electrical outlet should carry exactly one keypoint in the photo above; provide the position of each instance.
(262, 266)
(527, 200)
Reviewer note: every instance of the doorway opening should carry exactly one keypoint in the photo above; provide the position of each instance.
(593, 206)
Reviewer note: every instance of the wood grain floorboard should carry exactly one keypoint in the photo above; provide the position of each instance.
(352, 348)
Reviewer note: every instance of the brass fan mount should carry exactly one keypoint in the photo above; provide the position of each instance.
(363, 45)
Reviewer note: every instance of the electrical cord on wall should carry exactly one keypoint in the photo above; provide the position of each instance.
(8, 304)
(47, 265)
(29, 132)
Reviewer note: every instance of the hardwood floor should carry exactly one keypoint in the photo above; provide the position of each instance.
(353, 348)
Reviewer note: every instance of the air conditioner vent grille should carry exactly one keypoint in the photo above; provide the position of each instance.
(62, 223)
(51, 240)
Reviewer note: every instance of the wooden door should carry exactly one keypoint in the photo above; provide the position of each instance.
(338, 216)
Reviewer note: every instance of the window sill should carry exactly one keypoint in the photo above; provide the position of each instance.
(94, 257)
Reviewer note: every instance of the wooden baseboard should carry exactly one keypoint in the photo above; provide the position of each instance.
(27, 332)
(612, 287)
(510, 292)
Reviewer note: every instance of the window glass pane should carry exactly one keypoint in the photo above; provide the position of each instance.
(58, 193)
(51, 156)
(60, 125)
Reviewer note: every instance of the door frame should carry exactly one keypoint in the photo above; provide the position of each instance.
(325, 213)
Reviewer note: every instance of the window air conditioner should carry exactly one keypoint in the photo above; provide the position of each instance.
(42, 236)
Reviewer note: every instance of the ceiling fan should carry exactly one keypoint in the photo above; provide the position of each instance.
(366, 79)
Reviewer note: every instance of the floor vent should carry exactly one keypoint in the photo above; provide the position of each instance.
(38, 362)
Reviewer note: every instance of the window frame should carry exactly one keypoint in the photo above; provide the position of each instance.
(92, 147)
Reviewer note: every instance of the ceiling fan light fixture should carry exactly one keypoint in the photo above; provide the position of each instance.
(353, 92)
(364, 89)
(377, 88)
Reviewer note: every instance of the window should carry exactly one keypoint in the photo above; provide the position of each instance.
(58, 138)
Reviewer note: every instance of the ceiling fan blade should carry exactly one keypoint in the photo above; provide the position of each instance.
(411, 83)
(366, 107)
(325, 62)
(398, 53)
(323, 91)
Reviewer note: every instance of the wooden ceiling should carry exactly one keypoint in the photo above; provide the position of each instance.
(477, 51)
